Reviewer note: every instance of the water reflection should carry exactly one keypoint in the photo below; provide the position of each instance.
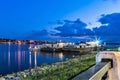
(30, 60)
(19, 56)
(8, 54)
(35, 59)
(15, 57)
(60, 55)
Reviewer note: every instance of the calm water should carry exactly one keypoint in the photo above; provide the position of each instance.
(15, 58)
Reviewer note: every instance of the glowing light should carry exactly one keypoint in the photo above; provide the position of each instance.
(97, 41)
(19, 42)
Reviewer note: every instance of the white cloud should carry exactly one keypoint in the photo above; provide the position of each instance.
(93, 25)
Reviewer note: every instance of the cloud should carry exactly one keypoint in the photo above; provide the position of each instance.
(110, 25)
(110, 28)
(68, 30)
(75, 28)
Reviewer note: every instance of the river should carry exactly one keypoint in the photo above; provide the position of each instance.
(16, 57)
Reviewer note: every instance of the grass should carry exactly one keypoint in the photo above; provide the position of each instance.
(66, 70)
(113, 49)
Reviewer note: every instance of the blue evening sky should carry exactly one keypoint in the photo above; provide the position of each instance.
(21, 19)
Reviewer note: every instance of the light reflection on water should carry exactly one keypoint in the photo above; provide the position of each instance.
(35, 60)
(19, 56)
(15, 58)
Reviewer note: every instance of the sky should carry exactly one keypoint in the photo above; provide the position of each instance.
(70, 20)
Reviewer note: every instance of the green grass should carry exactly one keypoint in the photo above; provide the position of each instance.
(65, 71)
(113, 49)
